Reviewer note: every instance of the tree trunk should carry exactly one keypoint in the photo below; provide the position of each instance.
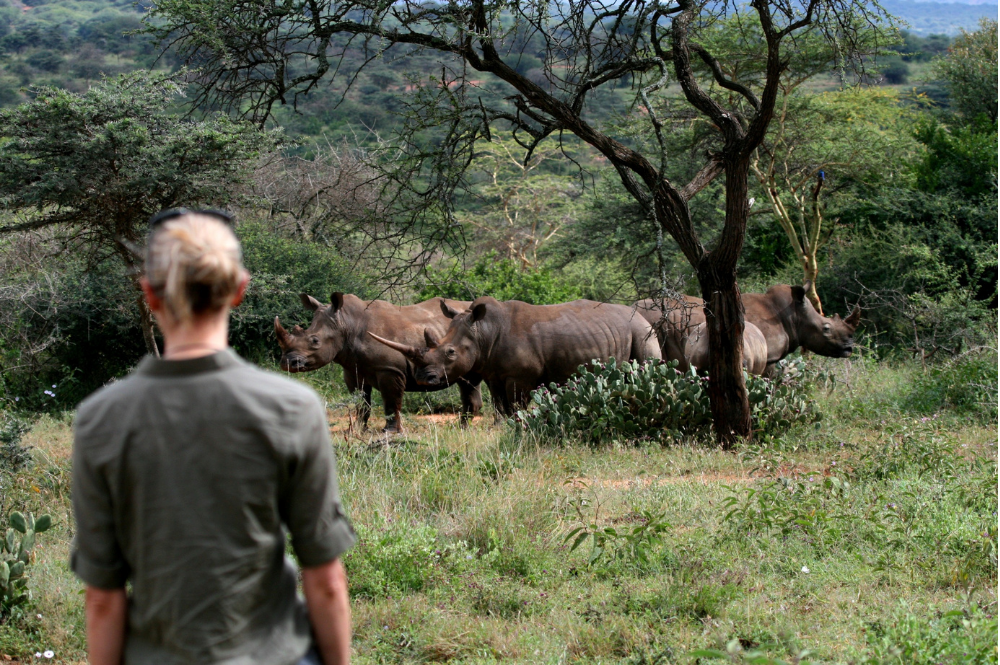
(810, 269)
(146, 322)
(727, 390)
(145, 315)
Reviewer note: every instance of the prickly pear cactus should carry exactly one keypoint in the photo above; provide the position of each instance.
(15, 555)
(629, 400)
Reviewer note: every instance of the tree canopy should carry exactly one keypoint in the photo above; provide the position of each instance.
(97, 165)
(549, 61)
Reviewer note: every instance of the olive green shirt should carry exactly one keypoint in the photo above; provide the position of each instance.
(187, 476)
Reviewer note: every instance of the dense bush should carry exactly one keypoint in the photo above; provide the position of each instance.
(966, 385)
(66, 331)
(504, 279)
(630, 401)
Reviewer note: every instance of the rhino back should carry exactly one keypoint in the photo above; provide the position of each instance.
(546, 343)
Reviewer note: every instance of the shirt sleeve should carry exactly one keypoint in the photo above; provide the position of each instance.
(320, 530)
(96, 556)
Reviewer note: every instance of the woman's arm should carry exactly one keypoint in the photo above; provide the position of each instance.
(106, 611)
(325, 587)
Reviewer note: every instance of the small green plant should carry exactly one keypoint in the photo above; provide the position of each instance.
(786, 506)
(905, 449)
(15, 555)
(624, 544)
(958, 636)
(633, 401)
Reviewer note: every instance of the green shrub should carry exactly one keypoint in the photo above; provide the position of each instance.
(966, 385)
(631, 401)
(503, 279)
(15, 555)
(950, 637)
(402, 559)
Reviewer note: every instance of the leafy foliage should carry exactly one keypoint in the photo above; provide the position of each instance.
(631, 545)
(966, 385)
(502, 278)
(100, 163)
(630, 401)
(957, 636)
(971, 71)
(281, 268)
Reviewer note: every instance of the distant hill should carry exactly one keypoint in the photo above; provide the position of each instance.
(942, 18)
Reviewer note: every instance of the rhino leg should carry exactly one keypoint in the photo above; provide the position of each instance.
(501, 401)
(392, 388)
(365, 407)
(355, 384)
(472, 399)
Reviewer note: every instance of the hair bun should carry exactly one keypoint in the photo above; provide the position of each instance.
(194, 264)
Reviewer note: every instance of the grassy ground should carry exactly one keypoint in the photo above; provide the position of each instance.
(870, 539)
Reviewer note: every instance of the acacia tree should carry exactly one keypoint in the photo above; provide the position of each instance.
(845, 137)
(253, 54)
(95, 166)
(523, 208)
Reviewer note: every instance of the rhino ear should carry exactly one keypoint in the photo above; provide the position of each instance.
(309, 302)
(448, 310)
(798, 294)
(336, 301)
(478, 312)
(430, 339)
(855, 318)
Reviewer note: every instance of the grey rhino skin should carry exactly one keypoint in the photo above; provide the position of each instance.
(696, 349)
(339, 333)
(517, 347)
(783, 315)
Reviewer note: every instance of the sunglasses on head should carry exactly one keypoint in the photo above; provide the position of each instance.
(174, 213)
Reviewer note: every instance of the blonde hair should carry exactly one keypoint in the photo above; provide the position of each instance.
(194, 265)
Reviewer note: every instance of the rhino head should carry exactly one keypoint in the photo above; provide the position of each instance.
(826, 336)
(444, 361)
(306, 350)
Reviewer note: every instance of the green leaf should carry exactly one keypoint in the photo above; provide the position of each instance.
(18, 522)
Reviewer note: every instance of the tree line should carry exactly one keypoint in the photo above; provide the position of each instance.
(718, 167)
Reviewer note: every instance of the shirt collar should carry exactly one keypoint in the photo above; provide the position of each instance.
(152, 366)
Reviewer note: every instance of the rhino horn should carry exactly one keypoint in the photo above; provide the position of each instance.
(405, 349)
(430, 338)
(283, 336)
(855, 318)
